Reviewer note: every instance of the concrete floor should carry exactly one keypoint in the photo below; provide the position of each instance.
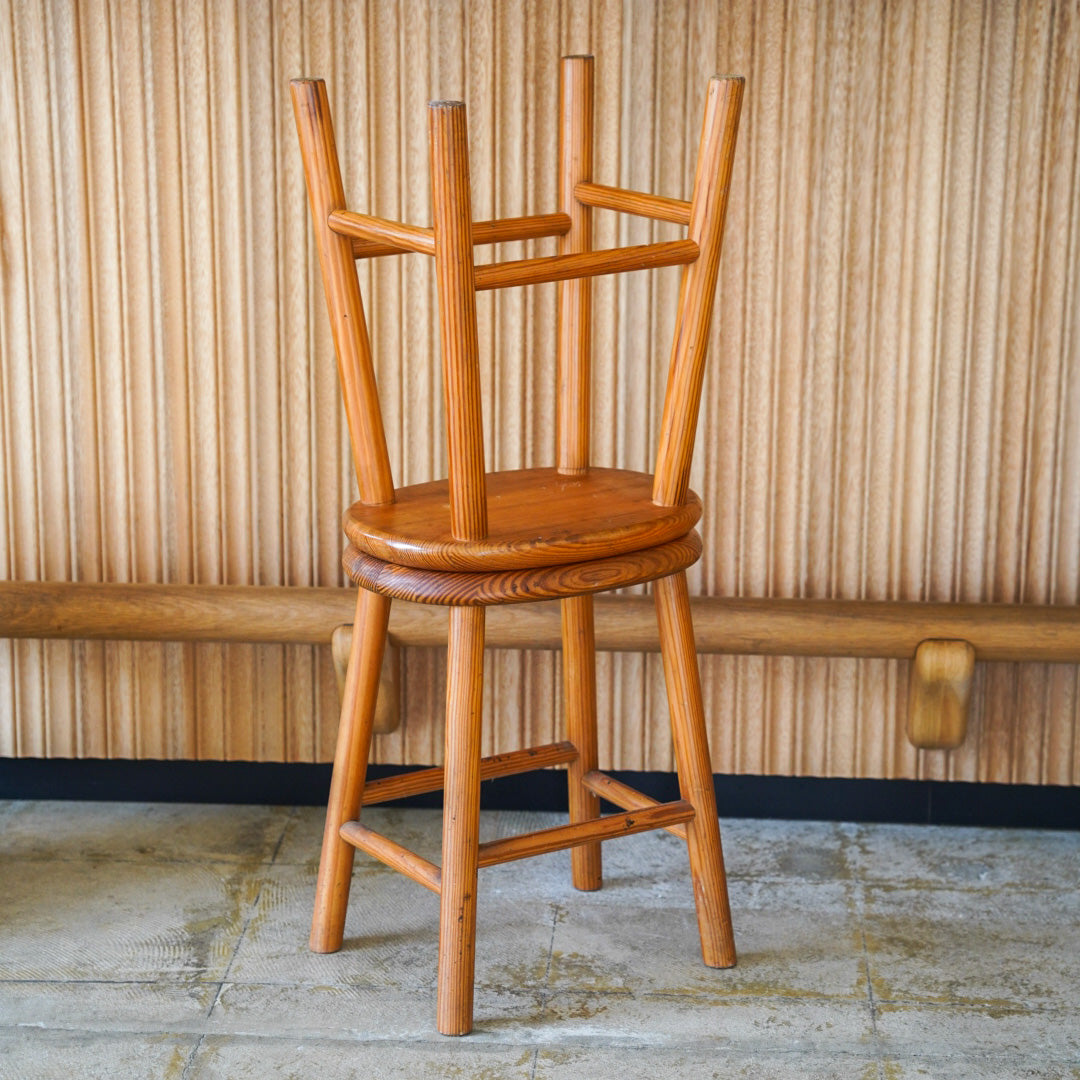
(159, 940)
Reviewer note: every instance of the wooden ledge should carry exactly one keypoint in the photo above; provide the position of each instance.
(754, 626)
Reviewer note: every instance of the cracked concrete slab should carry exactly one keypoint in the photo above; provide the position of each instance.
(171, 941)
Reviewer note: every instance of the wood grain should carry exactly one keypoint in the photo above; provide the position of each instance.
(573, 348)
(891, 410)
(501, 231)
(525, 845)
(625, 797)
(380, 231)
(579, 697)
(420, 781)
(452, 206)
(422, 871)
(536, 517)
(461, 821)
(521, 586)
(585, 264)
(694, 765)
(708, 210)
(661, 207)
(311, 108)
(358, 704)
(940, 691)
(755, 626)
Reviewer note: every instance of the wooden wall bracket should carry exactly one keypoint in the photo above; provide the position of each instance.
(938, 694)
(944, 637)
(388, 705)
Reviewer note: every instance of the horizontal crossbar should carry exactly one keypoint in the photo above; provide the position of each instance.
(624, 796)
(641, 203)
(585, 264)
(500, 231)
(394, 234)
(424, 780)
(564, 836)
(504, 230)
(393, 854)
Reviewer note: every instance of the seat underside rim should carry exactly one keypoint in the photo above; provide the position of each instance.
(473, 589)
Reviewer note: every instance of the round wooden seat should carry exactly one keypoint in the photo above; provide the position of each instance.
(479, 589)
(536, 518)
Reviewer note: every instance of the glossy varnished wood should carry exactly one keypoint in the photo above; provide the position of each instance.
(380, 231)
(499, 231)
(695, 770)
(535, 518)
(388, 705)
(461, 821)
(559, 837)
(350, 769)
(660, 207)
(452, 207)
(573, 412)
(422, 871)
(476, 540)
(708, 208)
(586, 264)
(624, 796)
(521, 586)
(311, 109)
(510, 764)
(573, 430)
(939, 691)
(579, 695)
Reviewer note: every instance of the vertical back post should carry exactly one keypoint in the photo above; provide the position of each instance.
(452, 211)
(573, 415)
(708, 208)
(311, 109)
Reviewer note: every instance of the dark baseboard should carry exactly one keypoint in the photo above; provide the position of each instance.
(911, 801)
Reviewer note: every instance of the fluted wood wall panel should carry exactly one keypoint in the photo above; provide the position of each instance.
(892, 408)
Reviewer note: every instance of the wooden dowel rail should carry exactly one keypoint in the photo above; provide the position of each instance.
(500, 231)
(393, 854)
(625, 797)
(126, 612)
(422, 781)
(559, 837)
(767, 627)
(641, 203)
(775, 627)
(586, 264)
(382, 230)
(534, 227)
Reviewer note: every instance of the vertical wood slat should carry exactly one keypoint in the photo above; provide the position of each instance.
(892, 406)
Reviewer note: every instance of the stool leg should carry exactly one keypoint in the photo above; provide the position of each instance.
(579, 693)
(350, 769)
(695, 770)
(461, 820)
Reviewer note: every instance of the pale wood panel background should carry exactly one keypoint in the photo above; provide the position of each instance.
(892, 411)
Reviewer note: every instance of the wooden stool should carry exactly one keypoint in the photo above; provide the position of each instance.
(513, 537)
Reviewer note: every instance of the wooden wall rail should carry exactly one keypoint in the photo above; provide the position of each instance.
(759, 626)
